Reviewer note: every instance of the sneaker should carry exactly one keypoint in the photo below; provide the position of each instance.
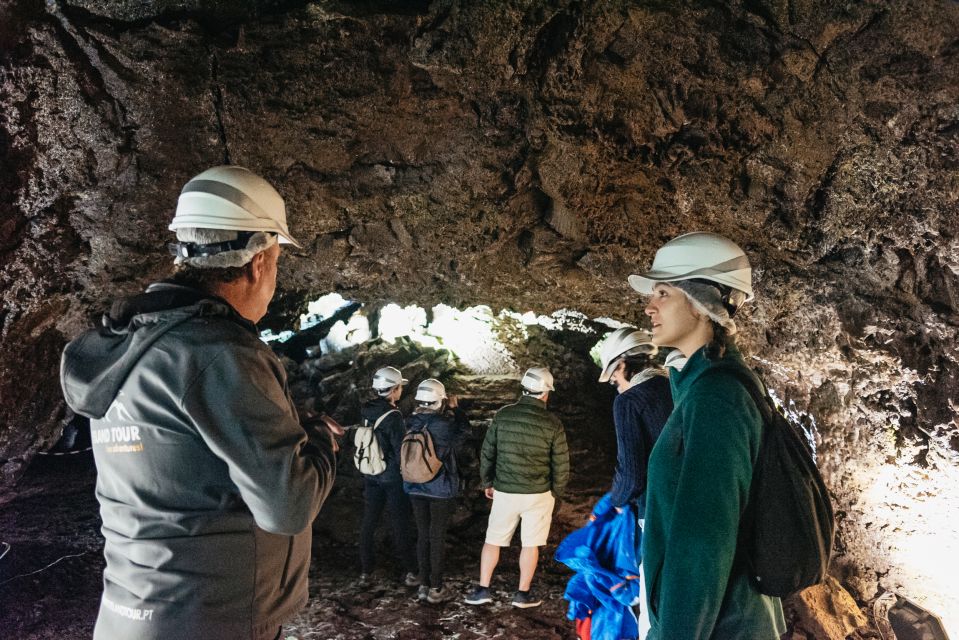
(479, 595)
(412, 580)
(423, 592)
(525, 600)
(364, 580)
(437, 596)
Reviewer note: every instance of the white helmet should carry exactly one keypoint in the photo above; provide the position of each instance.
(627, 341)
(537, 380)
(232, 198)
(430, 390)
(698, 255)
(386, 378)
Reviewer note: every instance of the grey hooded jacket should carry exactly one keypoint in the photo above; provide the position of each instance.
(207, 482)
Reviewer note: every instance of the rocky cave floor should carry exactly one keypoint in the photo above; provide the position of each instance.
(53, 520)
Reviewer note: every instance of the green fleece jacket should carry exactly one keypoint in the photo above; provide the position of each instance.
(525, 450)
(699, 476)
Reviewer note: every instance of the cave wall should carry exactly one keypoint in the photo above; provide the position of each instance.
(527, 155)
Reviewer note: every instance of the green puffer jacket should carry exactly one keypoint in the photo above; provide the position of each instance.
(525, 450)
(698, 482)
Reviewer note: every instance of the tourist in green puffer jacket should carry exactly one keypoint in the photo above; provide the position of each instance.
(524, 468)
(701, 468)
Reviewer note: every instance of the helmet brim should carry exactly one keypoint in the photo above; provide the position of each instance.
(608, 371)
(646, 282)
(207, 211)
(286, 239)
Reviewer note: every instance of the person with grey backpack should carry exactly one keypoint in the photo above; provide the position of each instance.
(377, 456)
(431, 479)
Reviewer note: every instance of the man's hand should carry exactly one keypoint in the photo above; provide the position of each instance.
(336, 430)
(489, 492)
(323, 423)
(335, 427)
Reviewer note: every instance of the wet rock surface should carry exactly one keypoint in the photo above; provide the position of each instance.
(528, 156)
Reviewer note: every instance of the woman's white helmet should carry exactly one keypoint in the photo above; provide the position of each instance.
(627, 341)
(431, 391)
(232, 198)
(386, 378)
(698, 255)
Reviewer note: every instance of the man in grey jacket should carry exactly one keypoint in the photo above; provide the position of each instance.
(207, 482)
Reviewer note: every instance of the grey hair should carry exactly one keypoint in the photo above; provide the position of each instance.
(258, 242)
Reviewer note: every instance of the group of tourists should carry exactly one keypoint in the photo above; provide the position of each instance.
(208, 482)
(524, 467)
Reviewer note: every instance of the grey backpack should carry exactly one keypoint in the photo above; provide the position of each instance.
(369, 457)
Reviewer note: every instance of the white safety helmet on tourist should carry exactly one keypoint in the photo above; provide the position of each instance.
(537, 380)
(702, 256)
(627, 341)
(430, 390)
(386, 378)
(232, 198)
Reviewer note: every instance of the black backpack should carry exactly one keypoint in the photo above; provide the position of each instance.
(787, 529)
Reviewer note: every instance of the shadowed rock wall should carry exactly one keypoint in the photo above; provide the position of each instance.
(528, 155)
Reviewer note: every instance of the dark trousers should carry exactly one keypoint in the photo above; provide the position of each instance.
(432, 519)
(376, 496)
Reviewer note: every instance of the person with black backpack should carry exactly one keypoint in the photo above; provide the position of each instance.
(378, 441)
(431, 479)
(699, 583)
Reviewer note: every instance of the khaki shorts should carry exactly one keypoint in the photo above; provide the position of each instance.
(535, 510)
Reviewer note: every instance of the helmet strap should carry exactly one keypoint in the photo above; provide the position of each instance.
(194, 250)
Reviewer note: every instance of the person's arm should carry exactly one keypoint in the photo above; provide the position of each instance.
(395, 430)
(712, 490)
(559, 461)
(488, 457)
(630, 453)
(652, 418)
(240, 408)
(461, 424)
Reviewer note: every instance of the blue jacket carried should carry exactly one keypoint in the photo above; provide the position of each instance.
(448, 433)
(605, 554)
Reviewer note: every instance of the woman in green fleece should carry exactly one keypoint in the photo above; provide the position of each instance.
(701, 467)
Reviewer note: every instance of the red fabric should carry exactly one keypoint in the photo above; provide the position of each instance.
(583, 628)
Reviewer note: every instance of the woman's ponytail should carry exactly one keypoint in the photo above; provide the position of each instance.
(716, 348)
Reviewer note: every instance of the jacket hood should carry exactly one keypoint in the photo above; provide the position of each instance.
(95, 365)
(419, 420)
